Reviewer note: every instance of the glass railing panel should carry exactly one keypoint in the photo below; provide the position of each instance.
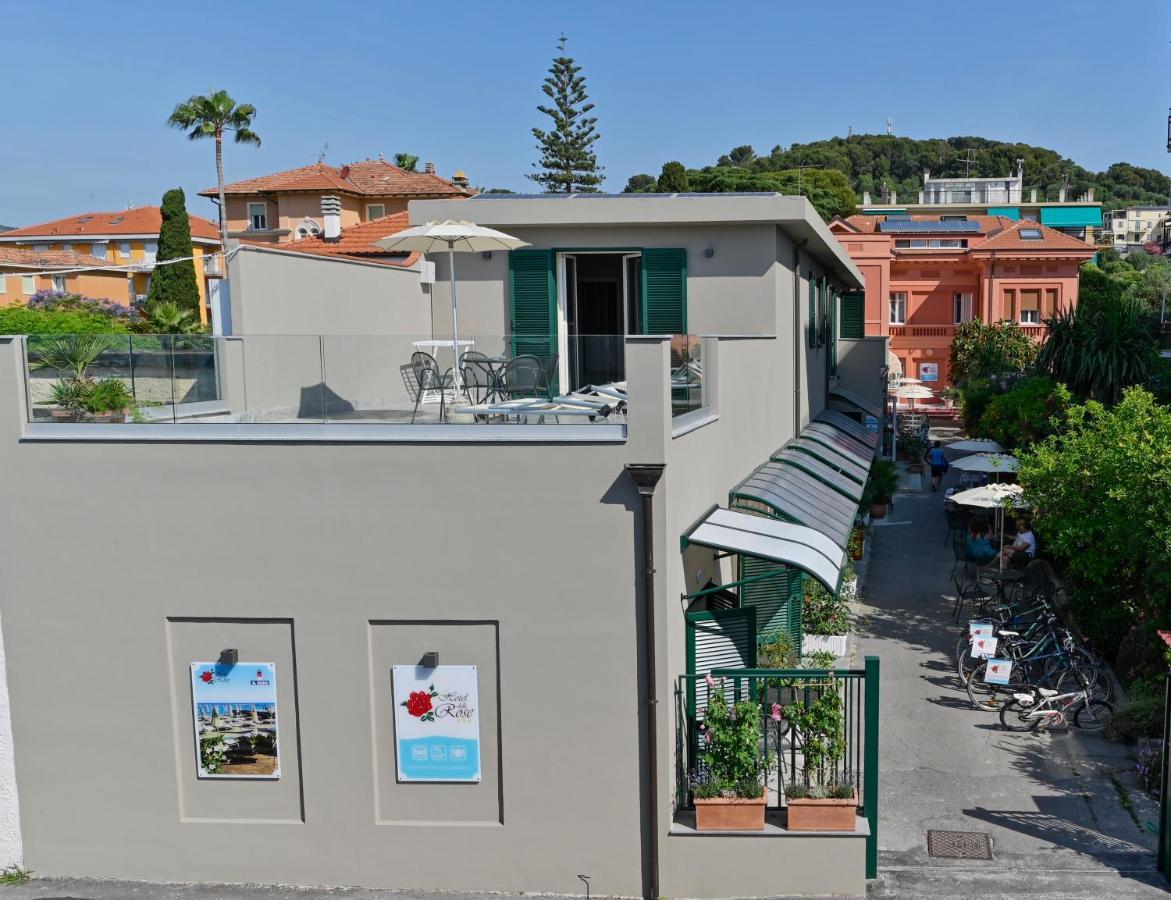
(688, 386)
(277, 379)
(81, 378)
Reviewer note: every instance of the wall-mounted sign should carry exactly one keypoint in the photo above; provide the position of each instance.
(928, 371)
(437, 723)
(235, 720)
(872, 424)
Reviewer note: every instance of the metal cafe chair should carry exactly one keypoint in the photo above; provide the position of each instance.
(524, 376)
(429, 377)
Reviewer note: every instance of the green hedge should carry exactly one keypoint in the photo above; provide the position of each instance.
(22, 320)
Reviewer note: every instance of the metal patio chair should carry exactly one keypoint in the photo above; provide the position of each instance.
(524, 377)
(429, 377)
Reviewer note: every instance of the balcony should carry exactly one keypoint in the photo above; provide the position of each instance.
(946, 331)
(404, 381)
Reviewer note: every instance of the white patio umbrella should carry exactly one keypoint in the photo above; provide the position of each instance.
(993, 496)
(452, 236)
(912, 392)
(976, 445)
(987, 462)
(902, 379)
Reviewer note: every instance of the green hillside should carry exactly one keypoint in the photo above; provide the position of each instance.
(870, 160)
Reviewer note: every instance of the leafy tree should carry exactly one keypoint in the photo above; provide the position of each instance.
(639, 184)
(738, 156)
(174, 283)
(829, 191)
(406, 161)
(213, 115)
(568, 162)
(673, 179)
(1025, 414)
(170, 318)
(982, 350)
(1099, 348)
(1101, 494)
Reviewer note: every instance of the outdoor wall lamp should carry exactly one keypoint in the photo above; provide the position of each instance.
(709, 252)
(229, 657)
(430, 659)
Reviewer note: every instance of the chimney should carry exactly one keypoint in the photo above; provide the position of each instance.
(1032, 195)
(460, 178)
(1061, 194)
(429, 168)
(331, 211)
(866, 198)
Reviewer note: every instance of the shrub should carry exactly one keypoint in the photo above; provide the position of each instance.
(823, 613)
(1027, 414)
(733, 765)
(1141, 718)
(107, 395)
(882, 483)
(980, 351)
(62, 300)
(22, 320)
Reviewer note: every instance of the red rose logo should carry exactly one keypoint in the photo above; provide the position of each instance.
(419, 703)
(206, 676)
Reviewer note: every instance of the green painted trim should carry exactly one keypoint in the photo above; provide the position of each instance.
(870, 765)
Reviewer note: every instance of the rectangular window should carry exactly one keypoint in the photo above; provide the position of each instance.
(1030, 234)
(375, 210)
(40, 248)
(961, 307)
(1010, 304)
(1050, 301)
(28, 284)
(59, 283)
(150, 250)
(931, 244)
(124, 250)
(1030, 307)
(100, 250)
(898, 309)
(67, 247)
(258, 216)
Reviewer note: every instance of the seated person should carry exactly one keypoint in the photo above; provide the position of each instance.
(980, 549)
(1024, 546)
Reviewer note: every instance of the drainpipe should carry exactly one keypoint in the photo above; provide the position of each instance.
(646, 478)
(799, 341)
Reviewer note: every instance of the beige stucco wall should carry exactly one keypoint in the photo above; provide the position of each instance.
(276, 292)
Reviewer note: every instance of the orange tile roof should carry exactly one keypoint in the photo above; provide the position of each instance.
(1051, 240)
(26, 258)
(140, 220)
(356, 242)
(367, 178)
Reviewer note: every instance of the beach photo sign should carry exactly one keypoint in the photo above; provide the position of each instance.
(437, 723)
(235, 720)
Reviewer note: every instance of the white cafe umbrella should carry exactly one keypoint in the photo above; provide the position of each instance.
(987, 462)
(902, 379)
(464, 237)
(912, 392)
(976, 445)
(993, 496)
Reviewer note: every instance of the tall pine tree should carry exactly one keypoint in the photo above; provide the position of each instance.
(174, 283)
(568, 164)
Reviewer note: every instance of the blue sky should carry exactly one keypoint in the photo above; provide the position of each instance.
(459, 82)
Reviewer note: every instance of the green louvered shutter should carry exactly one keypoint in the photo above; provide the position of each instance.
(812, 326)
(822, 311)
(532, 303)
(664, 291)
(796, 608)
(833, 332)
(852, 325)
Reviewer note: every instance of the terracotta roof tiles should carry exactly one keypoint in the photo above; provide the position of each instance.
(356, 242)
(367, 178)
(140, 220)
(1051, 240)
(26, 258)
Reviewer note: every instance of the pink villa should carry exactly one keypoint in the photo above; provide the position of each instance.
(926, 274)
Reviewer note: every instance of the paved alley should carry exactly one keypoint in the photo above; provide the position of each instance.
(1063, 810)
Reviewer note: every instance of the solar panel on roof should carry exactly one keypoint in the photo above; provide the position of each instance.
(910, 226)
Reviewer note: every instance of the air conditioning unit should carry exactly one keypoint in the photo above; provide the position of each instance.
(426, 272)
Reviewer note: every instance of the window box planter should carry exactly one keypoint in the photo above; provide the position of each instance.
(730, 813)
(822, 815)
(818, 643)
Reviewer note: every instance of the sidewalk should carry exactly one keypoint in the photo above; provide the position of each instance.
(1053, 804)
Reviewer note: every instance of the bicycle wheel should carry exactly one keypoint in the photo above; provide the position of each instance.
(988, 697)
(1093, 715)
(1015, 717)
(1095, 681)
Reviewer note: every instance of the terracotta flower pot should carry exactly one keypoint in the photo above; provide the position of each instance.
(878, 511)
(822, 815)
(730, 813)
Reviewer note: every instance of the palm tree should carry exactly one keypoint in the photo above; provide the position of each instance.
(210, 116)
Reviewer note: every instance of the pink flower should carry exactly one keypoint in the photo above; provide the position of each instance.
(711, 682)
(776, 713)
(707, 736)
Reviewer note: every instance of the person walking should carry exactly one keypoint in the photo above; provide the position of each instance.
(934, 457)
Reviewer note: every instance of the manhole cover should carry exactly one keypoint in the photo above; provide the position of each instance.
(959, 845)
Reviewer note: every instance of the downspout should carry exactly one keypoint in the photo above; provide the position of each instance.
(646, 478)
(798, 341)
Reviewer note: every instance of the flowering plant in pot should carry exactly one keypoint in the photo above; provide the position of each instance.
(728, 784)
(880, 487)
(824, 799)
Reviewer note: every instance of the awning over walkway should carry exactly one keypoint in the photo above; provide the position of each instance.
(854, 429)
(840, 441)
(824, 473)
(804, 548)
(857, 401)
(848, 465)
(786, 492)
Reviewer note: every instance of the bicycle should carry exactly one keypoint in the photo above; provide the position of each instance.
(1042, 708)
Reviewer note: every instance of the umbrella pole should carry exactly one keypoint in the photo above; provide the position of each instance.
(454, 313)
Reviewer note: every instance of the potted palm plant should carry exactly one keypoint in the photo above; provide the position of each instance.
(880, 487)
(824, 799)
(728, 784)
(107, 400)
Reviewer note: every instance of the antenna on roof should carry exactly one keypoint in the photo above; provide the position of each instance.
(324, 150)
(968, 161)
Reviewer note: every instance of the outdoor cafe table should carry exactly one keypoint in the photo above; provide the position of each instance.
(1003, 578)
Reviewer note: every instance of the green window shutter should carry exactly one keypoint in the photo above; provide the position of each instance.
(822, 311)
(717, 640)
(812, 326)
(532, 303)
(853, 323)
(797, 608)
(664, 291)
(769, 596)
(833, 332)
